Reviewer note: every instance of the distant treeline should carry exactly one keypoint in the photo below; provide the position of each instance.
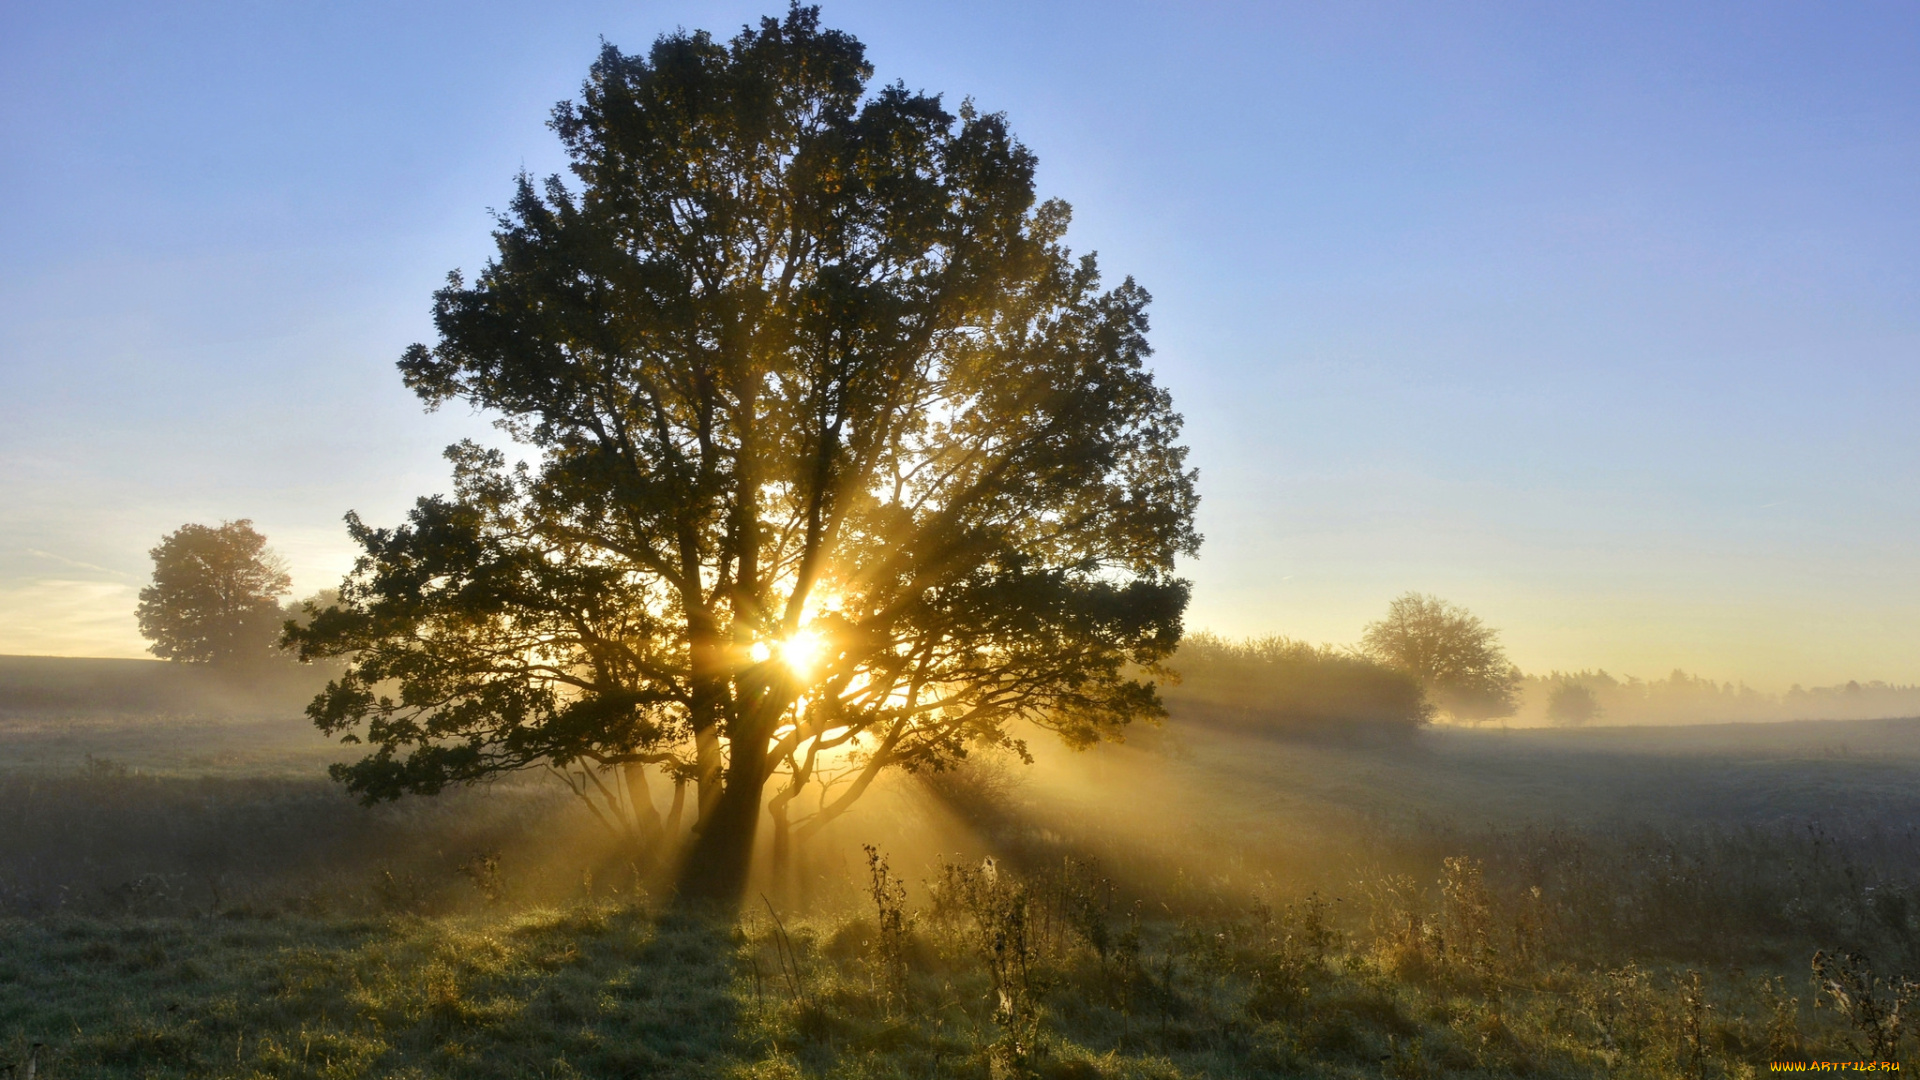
(1274, 683)
(1290, 687)
(1681, 698)
(77, 686)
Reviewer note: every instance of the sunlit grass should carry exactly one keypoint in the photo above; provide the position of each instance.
(598, 989)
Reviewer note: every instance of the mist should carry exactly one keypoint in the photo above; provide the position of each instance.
(998, 542)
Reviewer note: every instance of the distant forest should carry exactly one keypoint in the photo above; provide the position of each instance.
(1681, 698)
(1285, 685)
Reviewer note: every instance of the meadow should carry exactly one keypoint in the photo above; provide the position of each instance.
(187, 896)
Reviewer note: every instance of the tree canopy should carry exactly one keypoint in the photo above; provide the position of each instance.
(844, 462)
(1572, 703)
(1453, 655)
(215, 596)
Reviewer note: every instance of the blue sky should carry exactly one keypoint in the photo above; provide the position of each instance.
(1601, 319)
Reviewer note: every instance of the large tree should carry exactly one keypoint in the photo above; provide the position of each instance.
(1450, 652)
(215, 596)
(844, 463)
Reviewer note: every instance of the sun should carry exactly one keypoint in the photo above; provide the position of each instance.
(802, 652)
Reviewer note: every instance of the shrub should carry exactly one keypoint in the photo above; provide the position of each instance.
(1289, 687)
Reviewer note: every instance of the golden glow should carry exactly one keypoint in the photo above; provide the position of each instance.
(760, 652)
(802, 652)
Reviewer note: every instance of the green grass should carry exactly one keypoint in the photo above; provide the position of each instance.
(599, 990)
(587, 991)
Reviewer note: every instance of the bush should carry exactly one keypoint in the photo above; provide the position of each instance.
(1288, 687)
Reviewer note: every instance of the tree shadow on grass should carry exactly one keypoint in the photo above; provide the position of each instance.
(585, 991)
(677, 1007)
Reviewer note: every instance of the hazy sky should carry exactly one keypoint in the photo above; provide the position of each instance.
(1599, 319)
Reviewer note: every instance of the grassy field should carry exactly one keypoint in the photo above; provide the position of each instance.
(187, 897)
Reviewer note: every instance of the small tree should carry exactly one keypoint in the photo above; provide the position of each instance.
(215, 596)
(1453, 655)
(1572, 704)
(844, 463)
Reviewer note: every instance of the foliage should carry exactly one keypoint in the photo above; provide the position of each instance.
(1572, 703)
(1277, 684)
(214, 597)
(1453, 655)
(1876, 1008)
(844, 461)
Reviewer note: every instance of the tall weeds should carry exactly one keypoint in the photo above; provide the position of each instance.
(996, 914)
(893, 923)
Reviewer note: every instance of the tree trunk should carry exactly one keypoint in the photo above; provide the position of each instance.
(782, 862)
(675, 813)
(714, 873)
(646, 816)
(782, 869)
(707, 781)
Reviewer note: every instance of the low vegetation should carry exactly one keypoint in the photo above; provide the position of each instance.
(1304, 910)
(1052, 973)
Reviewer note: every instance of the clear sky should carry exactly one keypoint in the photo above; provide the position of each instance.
(1600, 319)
